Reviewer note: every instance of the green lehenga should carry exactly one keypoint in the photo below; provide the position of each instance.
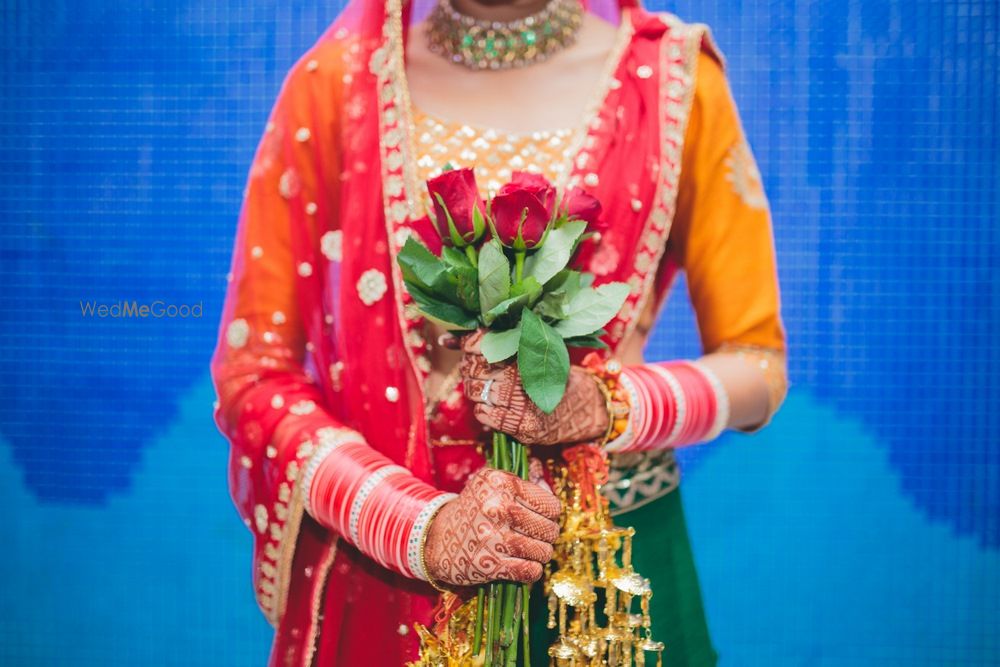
(661, 551)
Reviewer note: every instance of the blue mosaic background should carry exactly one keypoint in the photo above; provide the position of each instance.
(862, 528)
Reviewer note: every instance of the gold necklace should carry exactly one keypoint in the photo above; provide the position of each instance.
(480, 44)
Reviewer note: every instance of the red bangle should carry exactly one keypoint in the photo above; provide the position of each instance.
(378, 506)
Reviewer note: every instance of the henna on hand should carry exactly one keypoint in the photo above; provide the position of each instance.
(581, 415)
(499, 527)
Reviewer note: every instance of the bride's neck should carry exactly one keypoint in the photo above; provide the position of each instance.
(499, 10)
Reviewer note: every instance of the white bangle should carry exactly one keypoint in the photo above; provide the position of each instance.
(721, 402)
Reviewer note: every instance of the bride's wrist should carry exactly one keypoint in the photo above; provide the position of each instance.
(616, 402)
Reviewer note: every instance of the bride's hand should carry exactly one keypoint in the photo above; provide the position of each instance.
(499, 527)
(581, 415)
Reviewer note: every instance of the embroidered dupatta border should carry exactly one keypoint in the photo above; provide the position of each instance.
(399, 178)
(280, 525)
(678, 57)
(678, 60)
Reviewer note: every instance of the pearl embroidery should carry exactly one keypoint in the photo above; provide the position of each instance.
(288, 184)
(371, 286)
(332, 245)
(303, 407)
(237, 333)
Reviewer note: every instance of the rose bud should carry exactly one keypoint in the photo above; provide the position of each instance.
(537, 185)
(427, 233)
(580, 205)
(458, 209)
(519, 219)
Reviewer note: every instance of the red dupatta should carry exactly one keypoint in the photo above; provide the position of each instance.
(318, 333)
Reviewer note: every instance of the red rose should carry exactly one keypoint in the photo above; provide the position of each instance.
(537, 185)
(427, 233)
(458, 209)
(580, 205)
(519, 219)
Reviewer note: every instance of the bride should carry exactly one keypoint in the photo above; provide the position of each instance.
(356, 428)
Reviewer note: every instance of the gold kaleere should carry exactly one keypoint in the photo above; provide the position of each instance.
(596, 600)
(592, 588)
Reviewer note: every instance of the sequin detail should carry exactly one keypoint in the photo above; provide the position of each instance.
(493, 154)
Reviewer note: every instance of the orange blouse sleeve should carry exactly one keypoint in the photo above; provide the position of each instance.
(261, 349)
(270, 406)
(722, 235)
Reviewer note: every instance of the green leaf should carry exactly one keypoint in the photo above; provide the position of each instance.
(529, 286)
(591, 309)
(467, 283)
(419, 265)
(505, 307)
(494, 276)
(586, 279)
(453, 257)
(591, 341)
(552, 305)
(499, 345)
(446, 314)
(555, 252)
(543, 361)
(567, 281)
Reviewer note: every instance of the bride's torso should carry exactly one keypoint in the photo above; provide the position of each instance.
(501, 121)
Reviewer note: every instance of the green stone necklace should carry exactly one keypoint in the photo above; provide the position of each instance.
(480, 44)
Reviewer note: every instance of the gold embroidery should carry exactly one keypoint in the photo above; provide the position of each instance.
(772, 363)
(260, 518)
(443, 141)
(319, 593)
(744, 176)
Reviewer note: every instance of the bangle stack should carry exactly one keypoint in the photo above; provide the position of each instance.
(374, 504)
(674, 404)
(422, 547)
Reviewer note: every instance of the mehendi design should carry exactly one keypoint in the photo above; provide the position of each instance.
(499, 527)
(581, 415)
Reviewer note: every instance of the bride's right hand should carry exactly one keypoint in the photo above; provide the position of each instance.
(499, 528)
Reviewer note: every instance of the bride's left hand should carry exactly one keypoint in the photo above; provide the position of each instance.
(581, 415)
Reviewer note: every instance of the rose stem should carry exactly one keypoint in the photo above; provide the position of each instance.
(514, 627)
(525, 588)
(494, 462)
(490, 616)
(477, 637)
(526, 593)
(508, 615)
(518, 265)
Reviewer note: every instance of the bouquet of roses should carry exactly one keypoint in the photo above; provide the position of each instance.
(504, 267)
